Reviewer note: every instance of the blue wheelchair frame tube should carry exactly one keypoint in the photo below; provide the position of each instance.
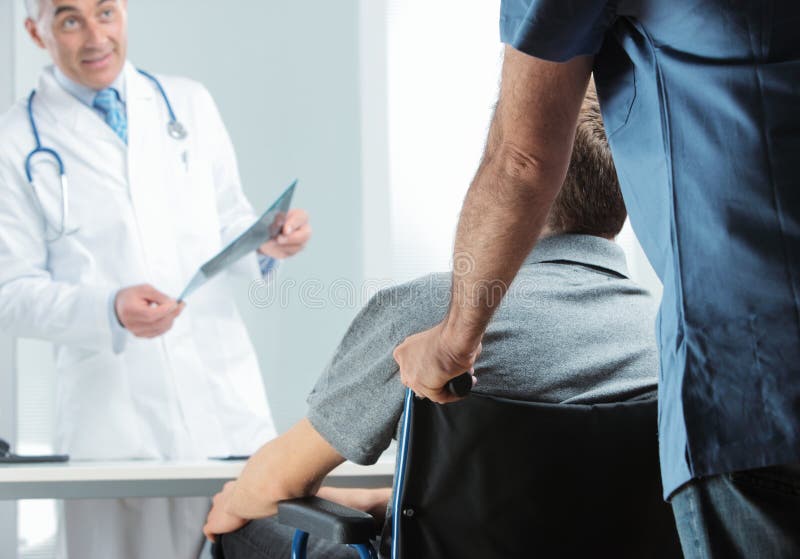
(400, 473)
(365, 551)
(460, 386)
(299, 544)
(300, 547)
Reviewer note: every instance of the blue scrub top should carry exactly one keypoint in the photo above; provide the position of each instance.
(701, 102)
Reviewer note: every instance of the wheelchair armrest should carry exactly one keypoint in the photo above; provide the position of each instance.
(327, 520)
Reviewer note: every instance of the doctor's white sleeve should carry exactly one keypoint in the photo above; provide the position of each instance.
(32, 303)
(235, 211)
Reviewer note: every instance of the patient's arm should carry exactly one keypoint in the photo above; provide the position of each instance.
(292, 465)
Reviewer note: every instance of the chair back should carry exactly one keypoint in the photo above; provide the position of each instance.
(491, 477)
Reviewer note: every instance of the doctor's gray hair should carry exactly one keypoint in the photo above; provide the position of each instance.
(34, 8)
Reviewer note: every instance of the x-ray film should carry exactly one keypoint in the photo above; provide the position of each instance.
(267, 227)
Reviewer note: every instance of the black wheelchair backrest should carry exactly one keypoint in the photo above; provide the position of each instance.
(489, 477)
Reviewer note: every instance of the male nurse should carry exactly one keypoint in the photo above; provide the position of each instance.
(700, 103)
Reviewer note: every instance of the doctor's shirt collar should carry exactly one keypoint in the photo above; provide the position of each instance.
(85, 94)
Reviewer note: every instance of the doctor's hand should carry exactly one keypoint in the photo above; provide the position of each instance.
(294, 235)
(219, 520)
(146, 312)
(430, 359)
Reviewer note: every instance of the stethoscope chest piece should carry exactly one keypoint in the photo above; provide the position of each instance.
(176, 130)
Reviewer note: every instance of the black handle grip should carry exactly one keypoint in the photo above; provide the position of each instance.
(461, 385)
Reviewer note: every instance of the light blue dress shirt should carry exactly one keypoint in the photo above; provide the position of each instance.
(85, 94)
(700, 103)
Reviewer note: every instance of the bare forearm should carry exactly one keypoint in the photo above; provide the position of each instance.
(524, 165)
(292, 465)
(256, 493)
(503, 215)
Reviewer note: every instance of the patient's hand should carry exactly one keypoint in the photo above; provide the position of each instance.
(219, 520)
(371, 501)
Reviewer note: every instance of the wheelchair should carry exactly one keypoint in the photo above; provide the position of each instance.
(490, 477)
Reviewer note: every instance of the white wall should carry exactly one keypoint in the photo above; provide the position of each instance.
(8, 526)
(7, 390)
(443, 76)
(375, 207)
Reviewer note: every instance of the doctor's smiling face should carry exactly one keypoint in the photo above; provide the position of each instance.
(86, 39)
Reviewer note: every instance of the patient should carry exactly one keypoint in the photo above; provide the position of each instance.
(573, 328)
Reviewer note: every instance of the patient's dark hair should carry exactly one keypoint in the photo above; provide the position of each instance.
(590, 201)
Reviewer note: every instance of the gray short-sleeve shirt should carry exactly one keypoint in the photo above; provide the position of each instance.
(572, 328)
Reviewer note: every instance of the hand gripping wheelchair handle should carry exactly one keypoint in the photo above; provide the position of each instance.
(460, 386)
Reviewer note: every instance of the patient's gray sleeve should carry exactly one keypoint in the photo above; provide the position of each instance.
(357, 401)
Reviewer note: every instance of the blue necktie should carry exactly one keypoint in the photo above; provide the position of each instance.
(107, 101)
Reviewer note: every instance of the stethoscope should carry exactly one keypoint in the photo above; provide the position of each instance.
(175, 130)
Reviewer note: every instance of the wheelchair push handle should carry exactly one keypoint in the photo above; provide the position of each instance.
(460, 386)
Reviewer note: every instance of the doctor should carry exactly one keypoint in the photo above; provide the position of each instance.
(152, 190)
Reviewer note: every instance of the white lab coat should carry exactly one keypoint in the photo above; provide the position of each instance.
(149, 213)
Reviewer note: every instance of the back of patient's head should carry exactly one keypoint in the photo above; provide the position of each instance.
(590, 201)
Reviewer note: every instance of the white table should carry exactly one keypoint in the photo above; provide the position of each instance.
(99, 480)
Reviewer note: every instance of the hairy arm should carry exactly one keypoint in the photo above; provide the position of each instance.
(524, 164)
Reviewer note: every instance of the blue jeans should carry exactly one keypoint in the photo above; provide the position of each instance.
(749, 514)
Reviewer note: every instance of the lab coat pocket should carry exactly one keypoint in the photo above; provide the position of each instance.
(97, 417)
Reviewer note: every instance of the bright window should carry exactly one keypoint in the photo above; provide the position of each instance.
(443, 68)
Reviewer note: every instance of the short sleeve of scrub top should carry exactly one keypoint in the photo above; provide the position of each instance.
(555, 30)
